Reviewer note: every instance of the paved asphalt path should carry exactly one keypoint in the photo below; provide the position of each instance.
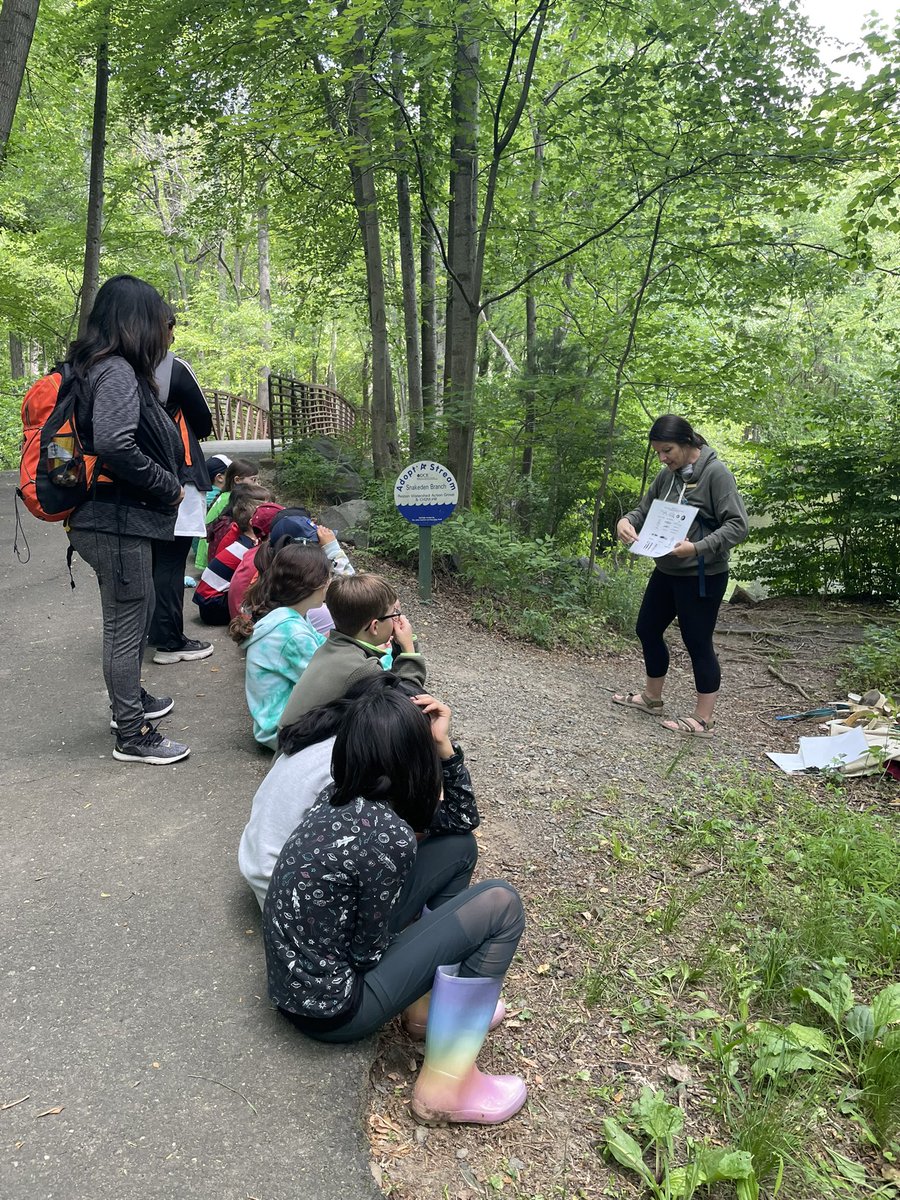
(132, 980)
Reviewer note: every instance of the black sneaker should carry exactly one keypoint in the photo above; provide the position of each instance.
(154, 708)
(188, 652)
(150, 747)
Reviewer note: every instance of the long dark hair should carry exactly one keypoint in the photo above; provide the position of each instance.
(384, 753)
(670, 428)
(129, 319)
(320, 724)
(295, 573)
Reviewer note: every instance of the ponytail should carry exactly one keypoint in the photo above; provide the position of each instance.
(670, 428)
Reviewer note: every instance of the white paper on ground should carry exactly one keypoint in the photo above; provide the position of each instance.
(666, 525)
(789, 763)
(833, 751)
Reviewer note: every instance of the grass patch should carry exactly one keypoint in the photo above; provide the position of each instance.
(797, 909)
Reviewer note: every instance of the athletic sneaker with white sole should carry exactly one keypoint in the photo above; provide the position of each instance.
(154, 708)
(189, 651)
(151, 748)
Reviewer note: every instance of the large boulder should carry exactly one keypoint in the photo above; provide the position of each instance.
(350, 521)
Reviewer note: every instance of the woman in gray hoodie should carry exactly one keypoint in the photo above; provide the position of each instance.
(690, 582)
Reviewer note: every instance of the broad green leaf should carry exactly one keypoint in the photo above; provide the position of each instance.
(848, 1168)
(886, 1006)
(860, 1022)
(722, 1164)
(625, 1149)
(657, 1117)
(808, 1037)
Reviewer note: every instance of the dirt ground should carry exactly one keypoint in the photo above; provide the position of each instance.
(563, 776)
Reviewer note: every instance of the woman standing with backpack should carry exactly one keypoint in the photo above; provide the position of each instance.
(134, 499)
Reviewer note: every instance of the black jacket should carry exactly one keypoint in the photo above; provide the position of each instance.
(140, 451)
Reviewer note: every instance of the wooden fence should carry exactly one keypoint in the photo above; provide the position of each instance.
(302, 410)
(297, 410)
(236, 419)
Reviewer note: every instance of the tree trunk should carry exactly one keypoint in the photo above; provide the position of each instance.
(16, 356)
(331, 377)
(428, 296)
(530, 394)
(17, 20)
(90, 283)
(385, 451)
(265, 293)
(462, 242)
(467, 238)
(364, 389)
(617, 388)
(408, 274)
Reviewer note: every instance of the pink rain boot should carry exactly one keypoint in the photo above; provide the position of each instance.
(415, 1018)
(450, 1088)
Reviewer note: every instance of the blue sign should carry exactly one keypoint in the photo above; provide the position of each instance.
(425, 493)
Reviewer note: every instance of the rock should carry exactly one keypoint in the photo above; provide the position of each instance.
(748, 593)
(350, 521)
(346, 484)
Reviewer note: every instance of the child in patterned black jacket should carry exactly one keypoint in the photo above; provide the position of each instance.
(344, 948)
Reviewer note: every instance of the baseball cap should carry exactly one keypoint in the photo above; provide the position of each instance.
(264, 517)
(294, 523)
(217, 463)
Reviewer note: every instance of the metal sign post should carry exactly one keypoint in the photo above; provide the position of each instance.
(425, 495)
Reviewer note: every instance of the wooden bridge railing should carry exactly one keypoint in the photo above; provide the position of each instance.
(302, 410)
(236, 419)
(297, 410)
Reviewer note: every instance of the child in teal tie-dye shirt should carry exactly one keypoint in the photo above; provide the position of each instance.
(276, 635)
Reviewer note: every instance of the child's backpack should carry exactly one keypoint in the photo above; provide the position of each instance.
(217, 532)
(55, 472)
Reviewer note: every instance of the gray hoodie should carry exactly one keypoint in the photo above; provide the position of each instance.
(721, 520)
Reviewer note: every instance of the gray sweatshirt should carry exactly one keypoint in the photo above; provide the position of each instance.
(721, 519)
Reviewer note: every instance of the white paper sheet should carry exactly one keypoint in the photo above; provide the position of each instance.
(665, 526)
(789, 763)
(833, 751)
(822, 752)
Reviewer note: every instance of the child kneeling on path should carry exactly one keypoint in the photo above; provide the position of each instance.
(344, 950)
(276, 635)
(211, 594)
(366, 615)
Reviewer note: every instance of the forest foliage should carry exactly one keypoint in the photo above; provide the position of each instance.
(511, 236)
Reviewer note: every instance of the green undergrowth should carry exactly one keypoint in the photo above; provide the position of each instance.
(875, 662)
(531, 589)
(749, 931)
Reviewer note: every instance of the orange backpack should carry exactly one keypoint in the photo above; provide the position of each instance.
(55, 472)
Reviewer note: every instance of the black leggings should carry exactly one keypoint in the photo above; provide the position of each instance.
(478, 927)
(671, 596)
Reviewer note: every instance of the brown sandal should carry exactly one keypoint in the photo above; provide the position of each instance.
(683, 725)
(640, 701)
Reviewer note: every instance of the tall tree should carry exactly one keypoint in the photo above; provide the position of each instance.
(90, 283)
(17, 21)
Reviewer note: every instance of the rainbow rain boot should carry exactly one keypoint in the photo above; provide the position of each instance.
(450, 1088)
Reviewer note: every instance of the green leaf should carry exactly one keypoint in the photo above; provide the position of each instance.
(808, 1037)
(848, 1168)
(661, 1120)
(886, 1006)
(722, 1164)
(625, 1150)
(861, 1023)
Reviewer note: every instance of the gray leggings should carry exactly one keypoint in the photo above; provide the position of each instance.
(478, 927)
(124, 570)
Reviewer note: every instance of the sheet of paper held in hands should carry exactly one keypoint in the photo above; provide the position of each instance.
(822, 752)
(666, 525)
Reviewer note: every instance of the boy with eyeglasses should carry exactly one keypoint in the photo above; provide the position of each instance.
(366, 615)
